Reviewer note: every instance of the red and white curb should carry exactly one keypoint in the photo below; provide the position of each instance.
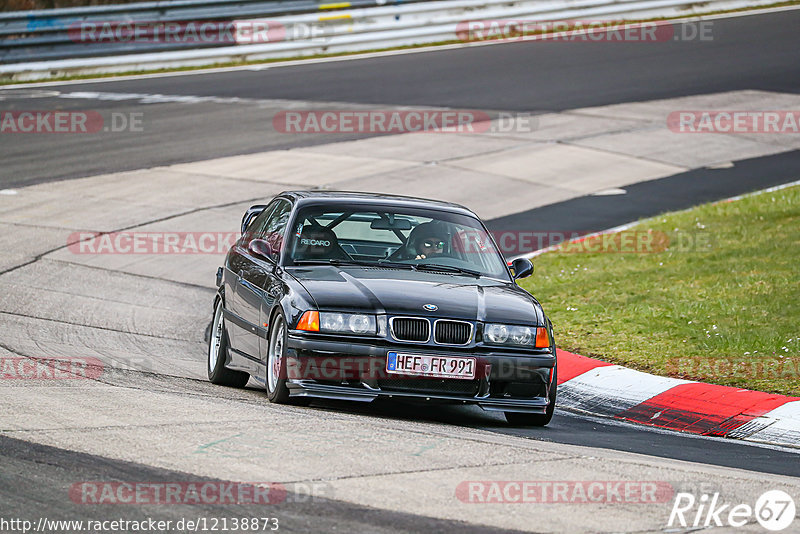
(608, 390)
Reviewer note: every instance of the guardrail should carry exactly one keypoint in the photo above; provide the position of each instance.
(41, 44)
(57, 34)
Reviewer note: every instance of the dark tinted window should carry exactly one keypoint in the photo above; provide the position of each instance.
(259, 223)
(375, 234)
(275, 226)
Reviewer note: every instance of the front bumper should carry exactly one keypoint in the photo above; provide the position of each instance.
(345, 370)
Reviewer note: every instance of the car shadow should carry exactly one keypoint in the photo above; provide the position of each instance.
(431, 412)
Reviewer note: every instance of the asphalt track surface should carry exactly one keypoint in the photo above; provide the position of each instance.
(36, 478)
(25, 464)
(751, 52)
(514, 77)
(646, 199)
(576, 429)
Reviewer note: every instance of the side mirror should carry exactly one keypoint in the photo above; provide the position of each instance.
(260, 249)
(522, 268)
(250, 214)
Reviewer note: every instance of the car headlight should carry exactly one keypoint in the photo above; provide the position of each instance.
(347, 323)
(522, 336)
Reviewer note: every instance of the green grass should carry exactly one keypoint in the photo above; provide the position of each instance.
(7, 79)
(726, 311)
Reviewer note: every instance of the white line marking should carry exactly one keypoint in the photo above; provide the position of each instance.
(145, 98)
(610, 192)
(726, 165)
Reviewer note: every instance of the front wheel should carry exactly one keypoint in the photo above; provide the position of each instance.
(277, 391)
(218, 352)
(536, 419)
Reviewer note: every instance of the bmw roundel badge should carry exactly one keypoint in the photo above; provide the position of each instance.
(431, 307)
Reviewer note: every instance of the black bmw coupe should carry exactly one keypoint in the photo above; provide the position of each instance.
(357, 296)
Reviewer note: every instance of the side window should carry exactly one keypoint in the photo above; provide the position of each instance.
(275, 227)
(260, 222)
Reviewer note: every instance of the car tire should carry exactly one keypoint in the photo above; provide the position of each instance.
(536, 419)
(277, 391)
(218, 354)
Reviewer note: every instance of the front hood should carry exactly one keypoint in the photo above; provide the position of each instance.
(399, 292)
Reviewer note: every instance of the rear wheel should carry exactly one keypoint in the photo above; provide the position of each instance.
(536, 419)
(218, 353)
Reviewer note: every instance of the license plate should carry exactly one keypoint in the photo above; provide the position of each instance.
(403, 363)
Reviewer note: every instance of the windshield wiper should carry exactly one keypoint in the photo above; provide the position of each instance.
(359, 263)
(392, 265)
(371, 263)
(396, 265)
(447, 269)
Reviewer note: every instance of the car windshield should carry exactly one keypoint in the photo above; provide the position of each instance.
(395, 237)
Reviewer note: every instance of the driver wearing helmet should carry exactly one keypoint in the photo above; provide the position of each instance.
(428, 239)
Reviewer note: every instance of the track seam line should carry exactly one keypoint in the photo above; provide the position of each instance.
(678, 169)
(108, 329)
(131, 227)
(415, 471)
(520, 181)
(102, 299)
(126, 273)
